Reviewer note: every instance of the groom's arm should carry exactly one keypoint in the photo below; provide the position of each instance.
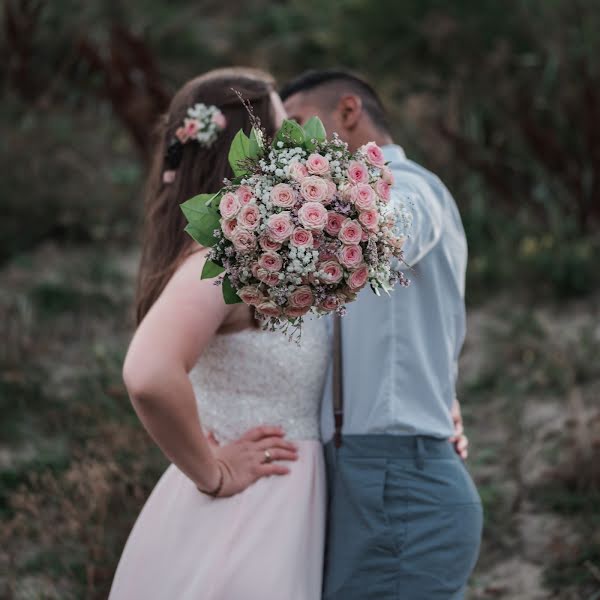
(425, 207)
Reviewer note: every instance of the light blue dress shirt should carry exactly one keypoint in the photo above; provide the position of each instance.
(400, 351)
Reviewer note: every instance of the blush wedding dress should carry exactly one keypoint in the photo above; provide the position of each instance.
(265, 543)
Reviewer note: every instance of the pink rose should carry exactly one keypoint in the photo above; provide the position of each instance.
(270, 261)
(229, 206)
(244, 194)
(363, 196)
(357, 172)
(219, 120)
(358, 278)
(302, 238)
(266, 243)
(265, 276)
(191, 127)
(314, 189)
(313, 215)
(251, 294)
(334, 222)
(317, 164)
(249, 217)
(383, 190)
(269, 309)
(387, 175)
(302, 297)
(331, 303)
(351, 256)
(283, 195)
(228, 227)
(297, 171)
(373, 154)
(369, 219)
(243, 241)
(351, 232)
(330, 272)
(296, 311)
(280, 226)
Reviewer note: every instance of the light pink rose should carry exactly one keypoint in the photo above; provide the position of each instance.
(265, 276)
(373, 154)
(334, 222)
(351, 232)
(249, 217)
(228, 227)
(357, 172)
(270, 261)
(244, 194)
(358, 278)
(298, 171)
(365, 236)
(351, 256)
(283, 195)
(243, 241)
(330, 272)
(363, 196)
(219, 120)
(331, 303)
(269, 309)
(251, 294)
(302, 297)
(266, 243)
(383, 190)
(369, 219)
(229, 206)
(280, 226)
(313, 215)
(302, 238)
(296, 311)
(314, 189)
(387, 175)
(317, 164)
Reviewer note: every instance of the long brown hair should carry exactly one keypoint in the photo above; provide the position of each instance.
(200, 171)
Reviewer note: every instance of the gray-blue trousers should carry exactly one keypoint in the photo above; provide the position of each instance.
(404, 518)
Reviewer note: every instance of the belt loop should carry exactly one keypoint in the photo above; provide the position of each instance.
(420, 453)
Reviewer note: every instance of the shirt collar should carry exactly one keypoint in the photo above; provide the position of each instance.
(393, 153)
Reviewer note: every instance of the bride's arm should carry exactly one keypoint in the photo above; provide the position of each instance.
(165, 347)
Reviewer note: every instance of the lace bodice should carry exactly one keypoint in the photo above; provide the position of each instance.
(256, 377)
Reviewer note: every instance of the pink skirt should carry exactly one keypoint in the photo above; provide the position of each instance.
(263, 544)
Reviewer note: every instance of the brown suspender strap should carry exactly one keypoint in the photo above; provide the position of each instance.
(338, 381)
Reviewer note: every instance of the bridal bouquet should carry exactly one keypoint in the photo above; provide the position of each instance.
(304, 225)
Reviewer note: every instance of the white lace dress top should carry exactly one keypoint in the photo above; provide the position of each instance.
(256, 377)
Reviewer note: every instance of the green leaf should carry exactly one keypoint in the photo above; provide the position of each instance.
(239, 151)
(211, 270)
(314, 130)
(291, 134)
(201, 235)
(255, 144)
(229, 293)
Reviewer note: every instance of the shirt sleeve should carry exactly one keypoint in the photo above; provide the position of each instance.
(425, 208)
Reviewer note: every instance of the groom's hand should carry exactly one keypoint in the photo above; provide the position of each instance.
(253, 456)
(459, 439)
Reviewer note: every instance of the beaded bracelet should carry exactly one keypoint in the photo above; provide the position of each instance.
(215, 493)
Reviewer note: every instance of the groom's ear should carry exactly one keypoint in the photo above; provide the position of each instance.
(350, 110)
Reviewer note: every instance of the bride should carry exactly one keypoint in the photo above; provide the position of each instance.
(239, 514)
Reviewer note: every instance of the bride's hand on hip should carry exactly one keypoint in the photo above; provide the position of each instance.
(251, 457)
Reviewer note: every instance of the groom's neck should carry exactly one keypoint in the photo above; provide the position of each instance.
(367, 132)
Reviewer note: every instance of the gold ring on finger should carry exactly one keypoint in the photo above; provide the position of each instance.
(268, 457)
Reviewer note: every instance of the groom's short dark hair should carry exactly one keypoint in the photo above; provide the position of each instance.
(340, 80)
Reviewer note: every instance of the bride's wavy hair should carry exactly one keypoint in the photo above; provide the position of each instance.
(200, 169)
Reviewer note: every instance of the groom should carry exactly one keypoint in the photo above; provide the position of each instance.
(404, 518)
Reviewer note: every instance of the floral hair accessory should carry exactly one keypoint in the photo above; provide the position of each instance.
(203, 125)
